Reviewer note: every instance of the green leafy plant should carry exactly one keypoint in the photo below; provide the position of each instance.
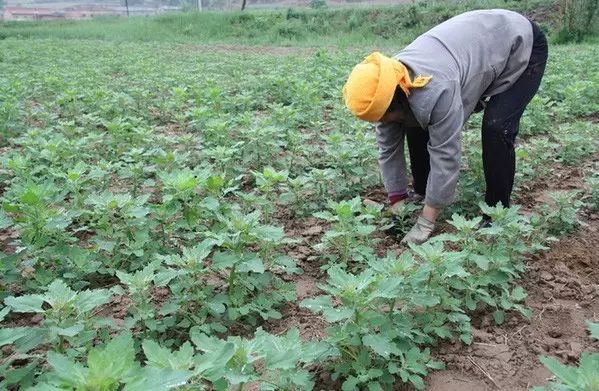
(178, 183)
(472, 182)
(122, 228)
(38, 216)
(352, 160)
(140, 286)
(533, 159)
(269, 182)
(382, 318)
(593, 329)
(300, 194)
(252, 287)
(403, 218)
(494, 257)
(284, 360)
(111, 367)
(561, 216)
(180, 195)
(350, 231)
(373, 330)
(592, 182)
(575, 143)
(577, 20)
(68, 317)
(194, 299)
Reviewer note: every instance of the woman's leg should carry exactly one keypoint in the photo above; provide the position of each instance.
(419, 159)
(501, 121)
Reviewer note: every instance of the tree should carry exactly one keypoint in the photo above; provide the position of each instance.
(578, 20)
(127, 7)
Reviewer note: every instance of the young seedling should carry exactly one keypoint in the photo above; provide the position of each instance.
(68, 317)
(349, 235)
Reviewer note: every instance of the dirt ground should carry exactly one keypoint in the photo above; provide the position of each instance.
(563, 291)
(562, 285)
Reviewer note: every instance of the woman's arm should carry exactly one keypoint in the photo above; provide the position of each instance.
(445, 152)
(444, 149)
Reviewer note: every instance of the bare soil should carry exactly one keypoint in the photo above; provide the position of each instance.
(544, 14)
(563, 289)
(563, 292)
(562, 286)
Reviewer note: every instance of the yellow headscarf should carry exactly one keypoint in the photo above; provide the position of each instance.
(371, 85)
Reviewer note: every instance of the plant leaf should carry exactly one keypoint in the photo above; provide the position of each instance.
(74, 374)
(157, 379)
(90, 299)
(113, 360)
(562, 372)
(381, 345)
(593, 329)
(25, 303)
(10, 335)
(519, 294)
(499, 317)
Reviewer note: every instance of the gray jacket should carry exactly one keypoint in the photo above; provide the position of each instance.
(472, 56)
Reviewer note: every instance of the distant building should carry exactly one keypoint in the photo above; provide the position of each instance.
(87, 11)
(24, 13)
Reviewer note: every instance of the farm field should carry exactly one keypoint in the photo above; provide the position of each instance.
(211, 217)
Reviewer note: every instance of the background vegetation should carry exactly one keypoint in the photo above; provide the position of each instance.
(389, 25)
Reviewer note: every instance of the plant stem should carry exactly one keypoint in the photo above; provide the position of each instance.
(231, 279)
(61, 344)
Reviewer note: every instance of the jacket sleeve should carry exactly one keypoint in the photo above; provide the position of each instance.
(390, 139)
(445, 148)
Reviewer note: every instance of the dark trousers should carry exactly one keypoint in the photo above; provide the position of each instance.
(501, 121)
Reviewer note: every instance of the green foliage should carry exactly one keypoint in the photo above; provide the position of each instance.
(37, 216)
(67, 317)
(217, 362)
(350, 231)
(109, 368)
(593, 329)
(345, 26)
(139, 286)
(382, 318)
(158, 189)
(472, 181)
(579, 19)
(573, 99)
(592, 182)
(318, 4)
(583, 377)
(577, 142)
(284, 360)
(536, 119)
(403, 218)
(533, 162)
(375, 345)
(561, 215)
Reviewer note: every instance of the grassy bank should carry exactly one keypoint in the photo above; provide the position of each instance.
(343, 27)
